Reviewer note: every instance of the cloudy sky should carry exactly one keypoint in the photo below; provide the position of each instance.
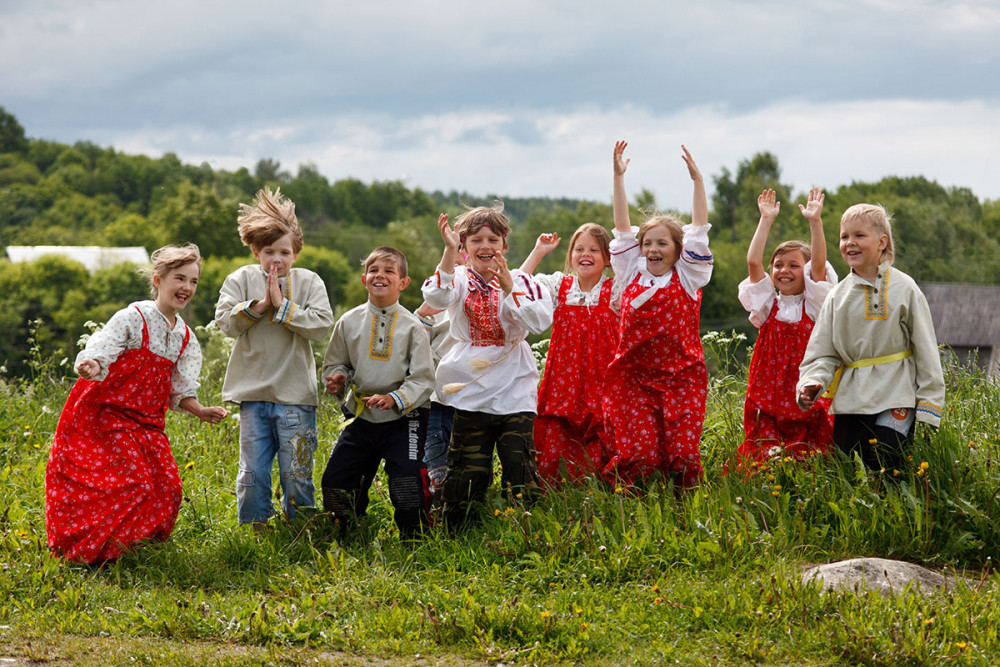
(521, 97)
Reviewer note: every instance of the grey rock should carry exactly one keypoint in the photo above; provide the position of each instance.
(881, 575)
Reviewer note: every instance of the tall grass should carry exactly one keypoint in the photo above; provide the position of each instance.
(587, 575)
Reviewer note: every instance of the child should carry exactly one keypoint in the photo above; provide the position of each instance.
(273, 311)
(655, 388)
(441, 417)
(381, 351)
(570, 422)
(773, 423)
(874, 348)
(111, 479)
(489, 376)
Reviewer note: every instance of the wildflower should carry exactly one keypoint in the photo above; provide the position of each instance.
(776, 493)
(546, 614)
(929, 621)
(508, 511)
(656, 589)
(577, 610)
(47, 410)
(961, 645)
(774, 452)
(583, 626)
(189, 465)
(872, 441)
(519, 496)
(895, 473)
(497, 512)
(970, 442)
(657, 600)
(618, 489)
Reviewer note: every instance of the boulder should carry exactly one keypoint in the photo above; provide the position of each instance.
(879, 574)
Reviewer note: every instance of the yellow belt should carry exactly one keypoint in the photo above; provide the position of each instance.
(874, 361)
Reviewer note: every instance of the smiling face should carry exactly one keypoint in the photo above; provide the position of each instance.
(482, 247)
(861, 247)
(587, 258)
(279, 256)
(384, 281)
(660, 249)
(788, 272)
(176, 287)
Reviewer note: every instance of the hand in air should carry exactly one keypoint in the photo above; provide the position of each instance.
(768, 205)
(620, 161)
(692, 167)
(546, 243)
(451, 238)
(814, 206)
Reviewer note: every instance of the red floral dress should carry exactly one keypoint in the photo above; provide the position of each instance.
(570, 422)
(771, 418)
(111, 479)
(655, 389)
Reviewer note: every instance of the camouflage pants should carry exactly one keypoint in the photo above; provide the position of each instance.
(470, 459)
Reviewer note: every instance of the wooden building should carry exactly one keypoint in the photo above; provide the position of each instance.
(967, 320)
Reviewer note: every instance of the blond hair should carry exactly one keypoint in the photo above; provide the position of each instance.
(878, 220)
(390, 254)
(791, 246)
(168, 258)
(476, 218)
(270, 217)
(600, 235)
(668, 222)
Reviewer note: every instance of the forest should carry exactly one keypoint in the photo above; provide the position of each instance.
(83, 194)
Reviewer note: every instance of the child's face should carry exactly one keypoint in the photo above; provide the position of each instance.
(861, 247)
(587, 257)
(788, 272)
(176, 288)
(383, 281)
(482, 247)
(659, 249)
(279, 256)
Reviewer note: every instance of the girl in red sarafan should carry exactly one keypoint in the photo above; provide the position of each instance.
(569, 427)
(655, 388)
(111, 479)
(773, 423)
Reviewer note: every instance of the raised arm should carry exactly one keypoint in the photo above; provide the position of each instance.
(451, 243)
(699, 206)
(619, 200)
(545, 244)
(755, 253)
(813, 210)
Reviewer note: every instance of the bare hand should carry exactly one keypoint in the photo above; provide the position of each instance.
(380, 402)
(451, 238)
(213, 415)
(335, 383)
(274, 294)
(499, 269)
(768, 206)
(814, 206)
(692, 167)
(807, 395)
(619, 161)
(88, 369)
(546, 243)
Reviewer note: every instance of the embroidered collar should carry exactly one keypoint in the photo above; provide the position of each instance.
(387, 311)
(479, 283)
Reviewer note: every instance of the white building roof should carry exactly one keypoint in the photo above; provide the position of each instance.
(91, 256)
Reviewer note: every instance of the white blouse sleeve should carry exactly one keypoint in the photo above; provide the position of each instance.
(816, 291)
(757, 298)
(184, 378)
(442, 290)
(529, 303)
(552, 282)
(106, 345)
(625, 254)
(696, 262)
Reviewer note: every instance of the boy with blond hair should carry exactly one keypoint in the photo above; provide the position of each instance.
(273, 311)
(379, 364)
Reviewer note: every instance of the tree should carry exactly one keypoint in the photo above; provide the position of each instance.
(735, 199)
(12, 139)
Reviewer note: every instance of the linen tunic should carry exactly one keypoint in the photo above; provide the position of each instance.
(272, 359)
(863, 320)
(382, 351)
(490, 327)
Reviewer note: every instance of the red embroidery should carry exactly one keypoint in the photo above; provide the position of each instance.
(482, 307)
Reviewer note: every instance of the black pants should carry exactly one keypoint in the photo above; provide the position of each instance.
(355, 459)
(856, 433)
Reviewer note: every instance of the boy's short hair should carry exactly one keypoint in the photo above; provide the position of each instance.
(791, 246)
(168, 258)
(878, 219)
(388, 253)
(476, 218)
(271, 216)
(599, 233)
(672, 225)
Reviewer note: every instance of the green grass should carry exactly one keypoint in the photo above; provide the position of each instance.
(585, 576)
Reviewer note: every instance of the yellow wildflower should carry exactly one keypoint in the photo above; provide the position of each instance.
(546, 614)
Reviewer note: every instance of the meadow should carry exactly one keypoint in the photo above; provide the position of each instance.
(588, 575)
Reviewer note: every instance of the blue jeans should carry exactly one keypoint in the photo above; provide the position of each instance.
(268, 430)
(438, 438)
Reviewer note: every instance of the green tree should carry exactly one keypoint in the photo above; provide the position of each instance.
(197, 214)
(12, 139)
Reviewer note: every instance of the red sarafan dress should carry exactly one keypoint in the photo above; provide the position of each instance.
(111, 479)
(570, 422)
(771, 417)
(655, 389)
